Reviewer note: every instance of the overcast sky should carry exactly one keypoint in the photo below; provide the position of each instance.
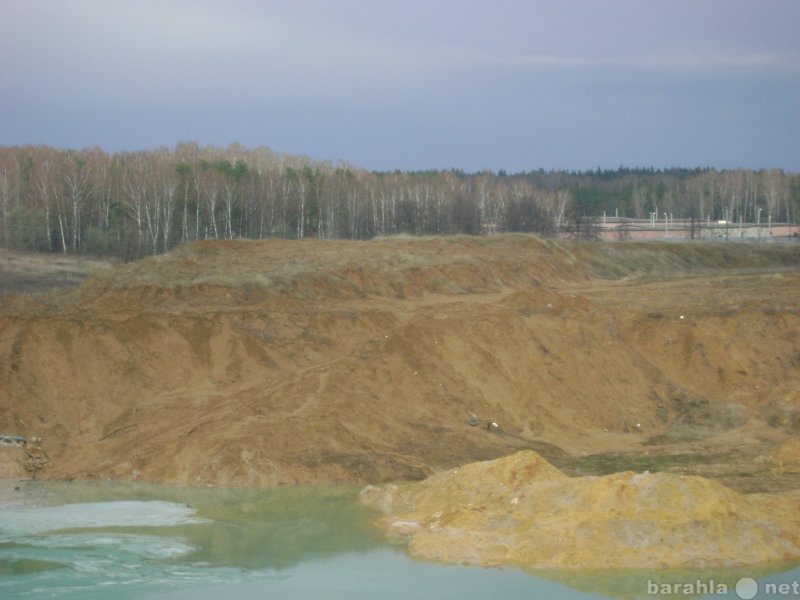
(412, 84)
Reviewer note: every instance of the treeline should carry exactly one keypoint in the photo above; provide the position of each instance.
(131, 204)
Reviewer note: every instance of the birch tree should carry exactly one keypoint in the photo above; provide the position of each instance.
(77, 187)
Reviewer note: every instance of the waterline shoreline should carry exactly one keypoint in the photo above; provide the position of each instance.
(173, 542)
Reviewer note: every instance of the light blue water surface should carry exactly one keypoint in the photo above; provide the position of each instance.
(112, 540)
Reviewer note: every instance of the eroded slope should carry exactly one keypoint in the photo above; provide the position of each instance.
(280, 362)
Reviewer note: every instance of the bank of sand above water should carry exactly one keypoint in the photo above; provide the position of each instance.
(253, 363)
(522, 511)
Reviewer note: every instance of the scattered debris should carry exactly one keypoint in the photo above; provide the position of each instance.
(36, 457)
(12, 440)
(33, 464)
(117, 430)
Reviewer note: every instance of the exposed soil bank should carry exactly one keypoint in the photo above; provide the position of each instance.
(251, 363)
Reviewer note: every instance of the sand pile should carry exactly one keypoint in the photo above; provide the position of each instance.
(521, 511)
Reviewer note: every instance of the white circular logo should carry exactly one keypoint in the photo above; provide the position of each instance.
(746, 588)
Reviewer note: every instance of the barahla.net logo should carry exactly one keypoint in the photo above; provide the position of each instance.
(746, 588)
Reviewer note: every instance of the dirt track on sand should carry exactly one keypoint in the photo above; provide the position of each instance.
(249, 363)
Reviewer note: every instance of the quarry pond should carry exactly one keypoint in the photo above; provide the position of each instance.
(126, 540)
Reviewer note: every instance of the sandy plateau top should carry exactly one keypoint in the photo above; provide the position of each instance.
(252, 363)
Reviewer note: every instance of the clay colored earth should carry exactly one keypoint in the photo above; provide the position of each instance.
(519, 510)
(266, 362)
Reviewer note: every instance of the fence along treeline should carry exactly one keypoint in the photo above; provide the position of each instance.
(131, 204)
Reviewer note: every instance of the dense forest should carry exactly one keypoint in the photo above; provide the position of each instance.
(130, 204)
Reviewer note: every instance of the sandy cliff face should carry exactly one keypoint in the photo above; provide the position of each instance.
(249, 363)
(521, 511)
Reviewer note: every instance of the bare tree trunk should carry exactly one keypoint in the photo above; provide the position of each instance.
(300, 190)
(77, 184)
(168, 189)
(152, 210)
(5, 198)
(211, 199)
(185, 216)
(62, 222)
(228, 198)
(136, 210)
(43, 185)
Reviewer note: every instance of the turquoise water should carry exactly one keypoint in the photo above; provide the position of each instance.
(111, 540)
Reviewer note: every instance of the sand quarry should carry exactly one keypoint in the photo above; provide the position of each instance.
(285, 362)
(250, 363)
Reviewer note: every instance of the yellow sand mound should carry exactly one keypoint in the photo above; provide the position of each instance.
(519, 510)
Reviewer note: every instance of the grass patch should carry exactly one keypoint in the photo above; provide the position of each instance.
(30, 273)
(617, 462)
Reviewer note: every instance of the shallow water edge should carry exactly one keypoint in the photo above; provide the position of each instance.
(138, 540)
